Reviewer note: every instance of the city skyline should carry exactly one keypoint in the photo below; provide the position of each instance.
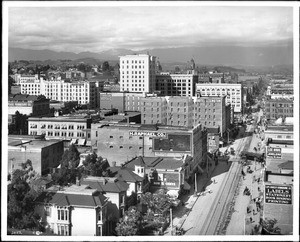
(101, 28)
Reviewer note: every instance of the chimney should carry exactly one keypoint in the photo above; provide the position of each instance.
(77, 182)
(104, 181)
(113, 164)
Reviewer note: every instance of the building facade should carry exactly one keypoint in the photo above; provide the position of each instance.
(62, 127)
(183, 85)
(77, 210)
(85, 92)
(137, 73)
(279, 108)
(119, 143)
(44, 155)
(29, 105)
(233, 93)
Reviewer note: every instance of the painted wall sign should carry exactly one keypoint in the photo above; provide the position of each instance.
(278, 194)
(274, 152)
(148, 134)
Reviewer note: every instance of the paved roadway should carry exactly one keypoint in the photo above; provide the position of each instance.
(210, 210)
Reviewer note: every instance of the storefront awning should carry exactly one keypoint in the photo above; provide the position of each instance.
(73, 141)
(81, 141)
(186, 186)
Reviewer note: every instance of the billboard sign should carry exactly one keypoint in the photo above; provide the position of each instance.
(148, 134)
(278, 194)
(274, 152)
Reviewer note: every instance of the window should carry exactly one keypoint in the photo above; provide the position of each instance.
(48, 211)
(62, 229)
(111, 137)
(62, 213)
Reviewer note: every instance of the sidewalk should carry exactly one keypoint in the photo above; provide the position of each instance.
(196, 207)
(181, 213)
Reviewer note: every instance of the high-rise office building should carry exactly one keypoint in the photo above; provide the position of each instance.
(137, 73)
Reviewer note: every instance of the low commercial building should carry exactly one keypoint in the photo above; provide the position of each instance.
(279, 108)
(77, 210)
(279, 132)
(279, 184)
(28, 105)
(74, 128)
(44, 154)
(122, 142)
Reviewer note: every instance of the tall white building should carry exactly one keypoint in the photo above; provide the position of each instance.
(233, 93)
(137, 73)
(82, 91)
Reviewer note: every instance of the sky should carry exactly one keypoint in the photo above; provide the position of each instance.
(96, 29)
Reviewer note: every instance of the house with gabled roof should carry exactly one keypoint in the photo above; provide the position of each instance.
(77, 210)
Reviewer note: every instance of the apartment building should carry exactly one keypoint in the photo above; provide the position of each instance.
(75, 128)
(154, 110)
(279, 108)
(183, 85)
(77, 210)
(137, 73)
(28, 104)
(233, 93)
(85, 92)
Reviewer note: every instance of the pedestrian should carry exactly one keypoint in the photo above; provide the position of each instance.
(251, 220)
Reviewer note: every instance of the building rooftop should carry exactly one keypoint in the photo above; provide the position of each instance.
(289, 128)
(106, 184)
(22, 97)
(125, 173)
(156, 162)
(31, 144)
(61, 198)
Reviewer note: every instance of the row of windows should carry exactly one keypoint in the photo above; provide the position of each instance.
(65, 134)
(133, 61)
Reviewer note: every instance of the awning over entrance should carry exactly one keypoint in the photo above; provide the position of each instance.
(81, 141)
(186, 186)
(73, 141)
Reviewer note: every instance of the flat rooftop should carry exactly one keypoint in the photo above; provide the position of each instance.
(31, 144)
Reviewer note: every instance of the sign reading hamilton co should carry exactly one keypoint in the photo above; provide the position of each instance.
(274, 152)
(148, 134)
(278, 194)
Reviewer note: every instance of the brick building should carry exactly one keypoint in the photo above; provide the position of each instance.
(43, 154)
(120, 143)
(279, 108)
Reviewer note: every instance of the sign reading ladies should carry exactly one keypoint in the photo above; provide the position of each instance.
(278, 194)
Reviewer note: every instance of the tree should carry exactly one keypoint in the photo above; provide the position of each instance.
(96, 166)
(20, 124)
(105, 66)
(21, 200)
(158, 203)
(130, 223)
(68, 167)
(269, 226)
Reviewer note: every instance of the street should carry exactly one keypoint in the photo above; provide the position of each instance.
(223, 210)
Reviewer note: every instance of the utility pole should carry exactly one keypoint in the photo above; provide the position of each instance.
(171, 217)
(196, 183)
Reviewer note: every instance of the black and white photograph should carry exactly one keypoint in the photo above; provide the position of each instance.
(150, 121)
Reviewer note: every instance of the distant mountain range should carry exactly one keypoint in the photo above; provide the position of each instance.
(211, 55)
